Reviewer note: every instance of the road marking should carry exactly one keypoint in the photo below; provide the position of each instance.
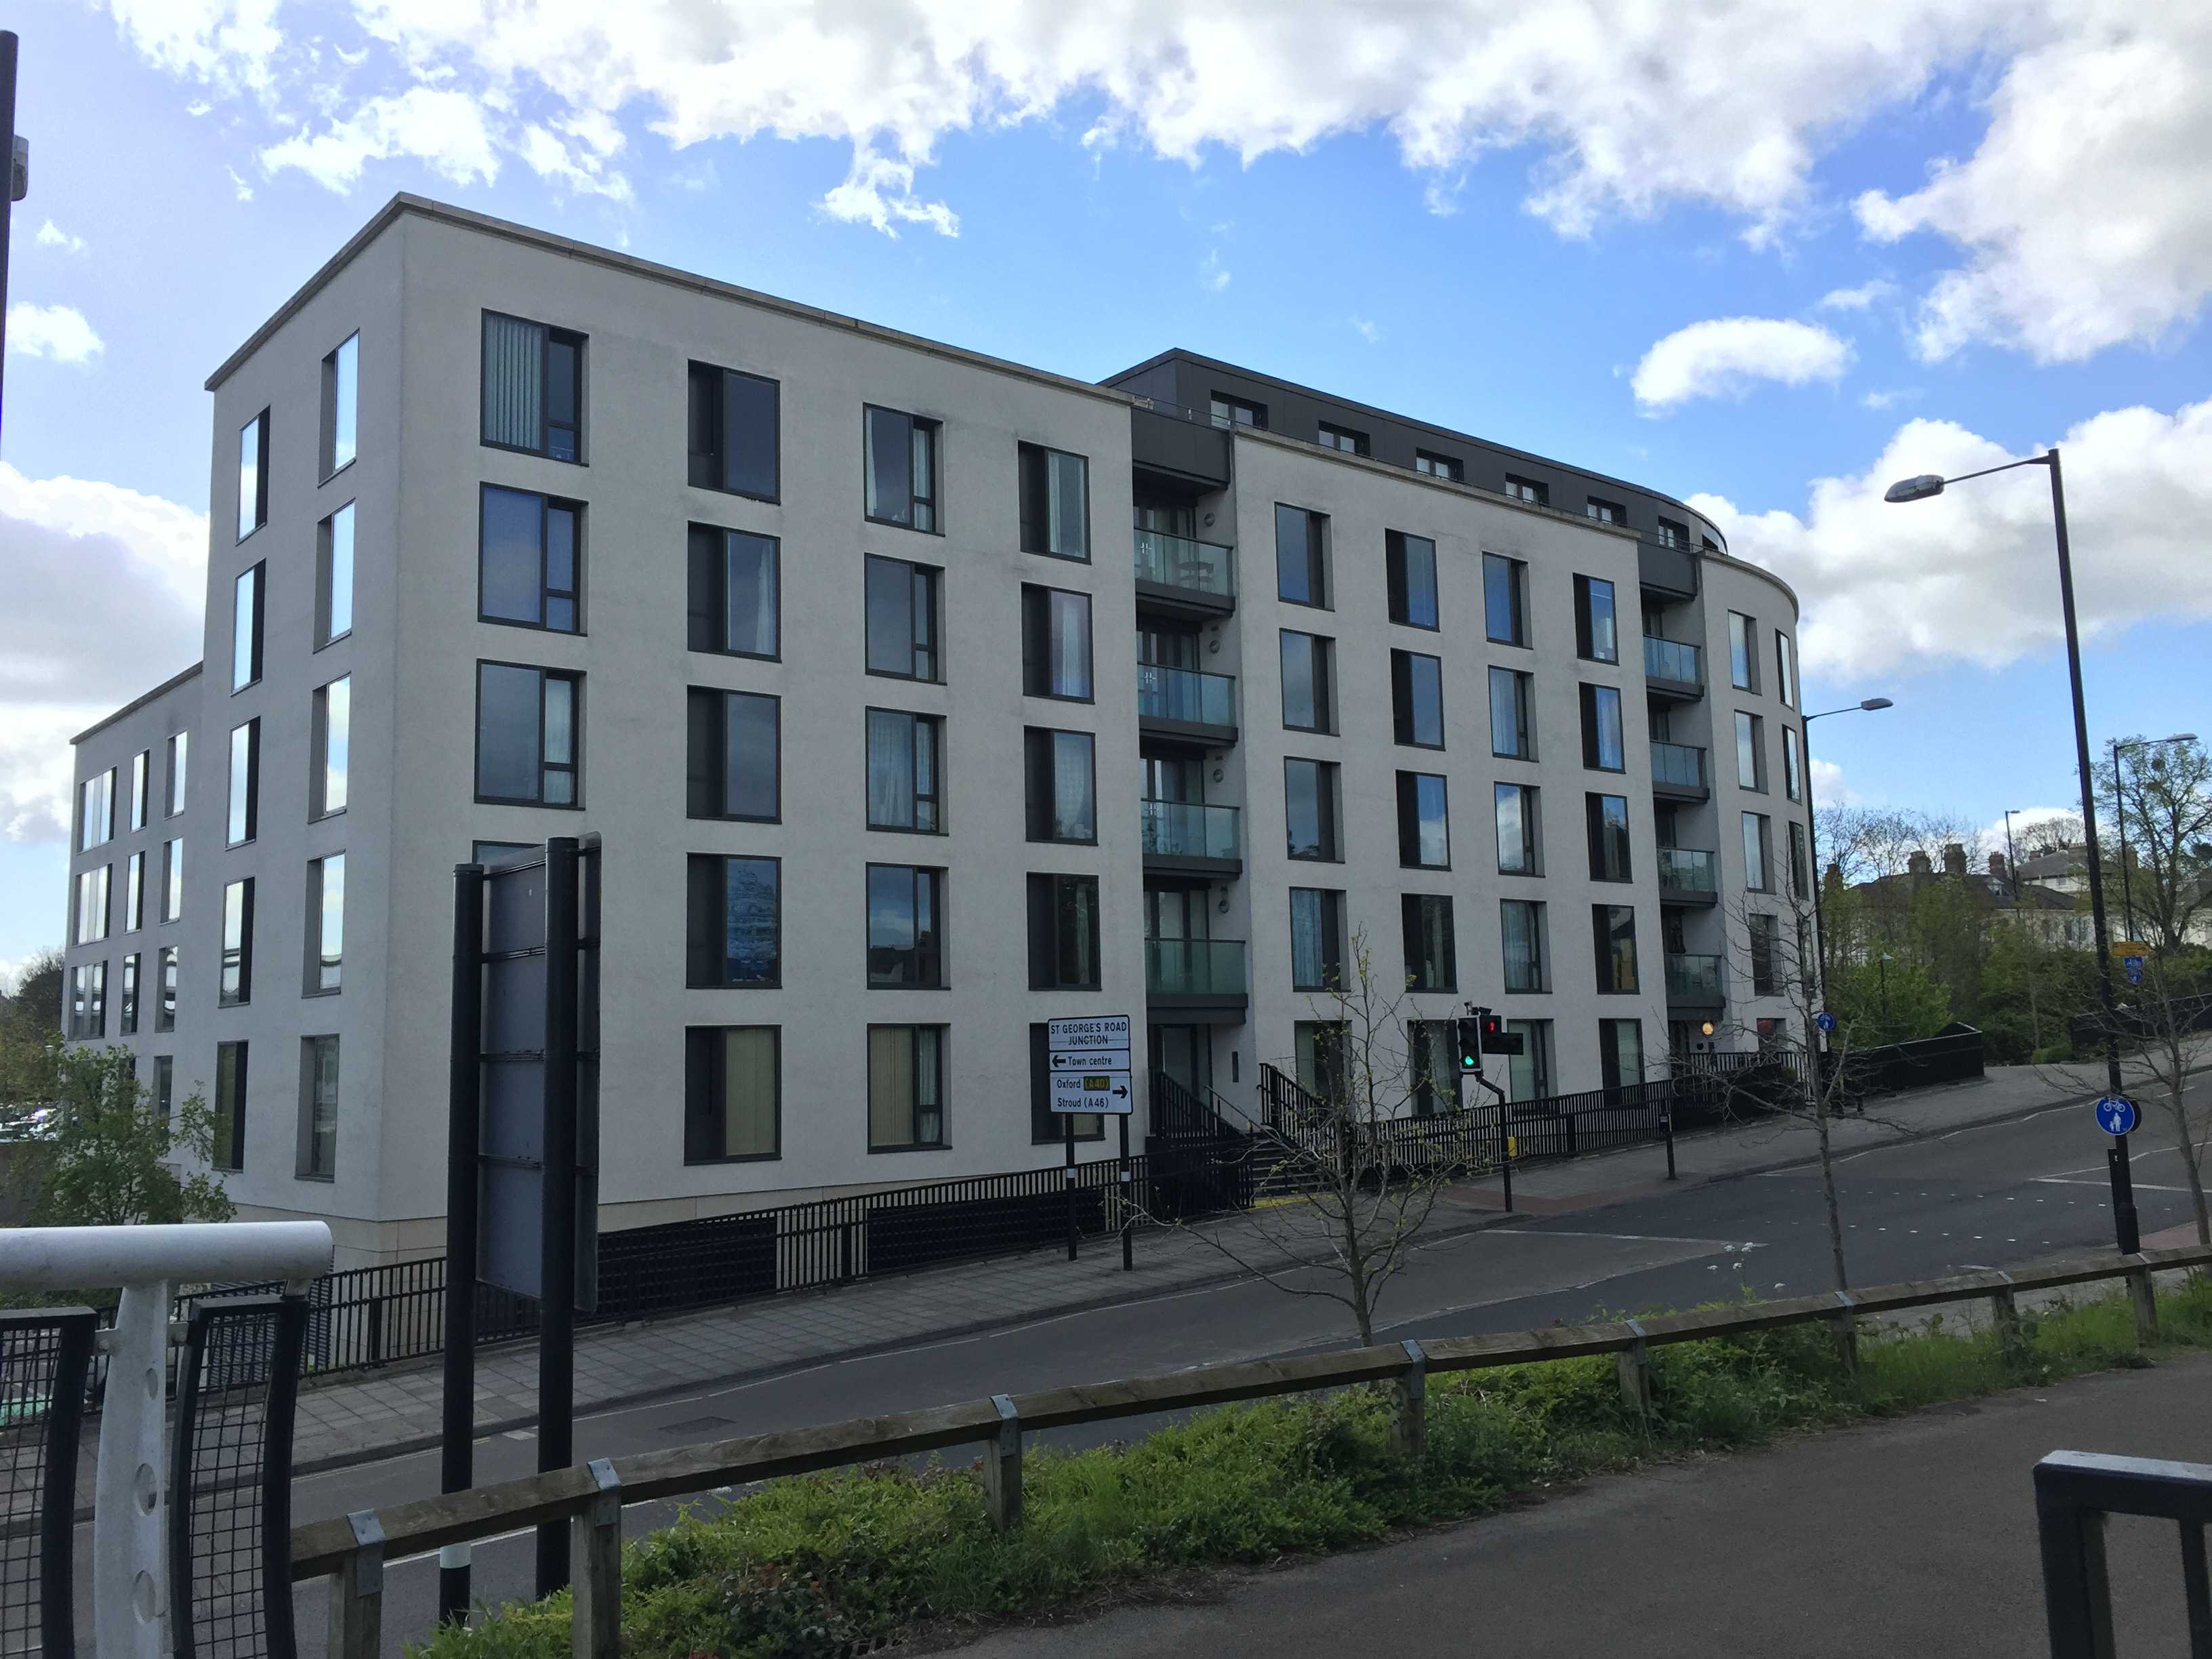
(2140, 1186)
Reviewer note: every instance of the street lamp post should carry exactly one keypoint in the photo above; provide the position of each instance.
(1871, 705)
(2124, 1227)
(2120, 809)
(2012, 860)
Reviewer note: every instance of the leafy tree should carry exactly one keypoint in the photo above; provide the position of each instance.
(30, 1024)
(111, 1155)
(2161, 796)
(1878, 1003)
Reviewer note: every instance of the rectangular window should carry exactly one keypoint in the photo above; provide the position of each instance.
(1743, 652)
(331, 737)
(1602, 749)
(1432, 1083)
(1410, 564)
(165, 1085)
(88, 1009)
(1512, 733)
(318, 1158)
(245, 810)
(179, 744)
(341, 405)
(530, 560)
(902, 603)
(1595, 634)
(903, 790)
(245, 627)
(1301, 557)
(1793, 764)
(1430, 963)
(529, 735)
(1603, 511)
(1309, 809)
(91, 903)
(1528, 1074)
(1672, 533)
(905, 927)
(237, 988)
(1765, 928)
(230, 1106)
(1236, 412)
(1609, 857)
(734, 925)
(142, 766)
(1755, 860)
(1318, 1049)
(1308, 682)
(1440, 466)
(1056, 502)
(1750, 752)
(173, 880)
(1528, 490)
(1048, 1126)
(1785, 669)
(734, 756)
(95, 811)
(134, 893)
(1416, 699)
(533, 387)
(1620, 1053)
(732, 588)
(126, 1001)
(1063, 787)
(1424, 822)
(1316, 939)
(1064, 921)
(165, 991)
(326, 930)
(334, 577)
(253, 475)
(1801, 863)
(1520, 935)
(1340, 437)
(1614, 926)
(906, 1087)
(1504, 599)
(733, 1093)
(1520, 837)
(901, 464)
(1055, 643)
(732, 429)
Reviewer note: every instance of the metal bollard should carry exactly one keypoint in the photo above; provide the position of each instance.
(1409, 1432)
(595, 1568)
(1002, 1467)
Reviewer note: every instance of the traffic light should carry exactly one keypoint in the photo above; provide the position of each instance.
(1496, 1039)
(1469, 1033)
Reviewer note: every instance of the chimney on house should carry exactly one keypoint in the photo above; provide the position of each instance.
(1920, 865)
(1955, 859)
(1998, 871)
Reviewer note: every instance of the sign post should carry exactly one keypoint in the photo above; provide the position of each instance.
(1088, 1057)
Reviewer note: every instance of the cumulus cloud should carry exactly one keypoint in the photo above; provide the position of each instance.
(1724, 356)
(52, 235)
(445, 128)
(1859, 298)
(57, 332)
(64, 664)
(1969, 576)
(1829, 789)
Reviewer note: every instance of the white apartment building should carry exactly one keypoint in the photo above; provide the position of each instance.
(917, 697)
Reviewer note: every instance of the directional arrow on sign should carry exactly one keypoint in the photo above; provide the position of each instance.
(1092, 1060)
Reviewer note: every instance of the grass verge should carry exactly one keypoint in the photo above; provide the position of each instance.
(828, 1564)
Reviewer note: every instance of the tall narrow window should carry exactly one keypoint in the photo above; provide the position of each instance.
(533, 387)
(230, 1106)
(529, 736)
(1064, 924)
(245, 627)
(1765, 928)
(733, 439)
(1056, 502)
(1609, 859)
(1602, 749)
(1301, 557)
(735, 766)
(1310, 808)
(1424, 821)
(1520, 837)
(1521, 936)
(905, 927)
(1063, 790)
(334, 577)
(1316, 939)
(1743, 652)
(906, 1087)
(1504, 599)
(1410, 564)
(341, 405)
(1595, 634)
(1056, 643)
(319, 1108)
(253, 475)
(1785, 669)
(530, 559)
(734, 588)
(901, 462)
(903, 790)
(165, 1085)
(237, 982)
(1801, 863)
(1614, 926)
(1416, 699)
(134, 893)
(734, 923)
(1430, 964)
(91, 902)
(902, 603)
(332, 738)
(179, 744)
(1512, 731)
(88, 1005)
(1750, 752)
(165, 989)
(173, 880)
(1308, 684)
(142, 766)
(1528, 1074)
(1793, 763)
(245, 807)
(1756, 875)
(733, 1093)
(325, 962)
(1620, 1053)
(95, 811)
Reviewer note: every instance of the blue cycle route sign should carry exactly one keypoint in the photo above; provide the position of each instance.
(2115, 1114)
(1825, 1020)
(2133, 966)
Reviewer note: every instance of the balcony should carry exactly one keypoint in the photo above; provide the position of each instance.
(1188, 838)
(1688, 876)
(1196, 978)
(1186, 705)
(1178, 574)
(1694, 982)
(1672, 669)
(1678, 772)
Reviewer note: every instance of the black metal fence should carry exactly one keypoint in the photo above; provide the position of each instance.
(1954, 1054)
(45, 1355)
(2137, 1023)
(2075, 1491)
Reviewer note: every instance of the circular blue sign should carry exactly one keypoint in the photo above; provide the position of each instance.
(1825, 1020)
(2134, 966)
(2115, 1114)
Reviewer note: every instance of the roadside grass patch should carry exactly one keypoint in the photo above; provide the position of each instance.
(830, 1565)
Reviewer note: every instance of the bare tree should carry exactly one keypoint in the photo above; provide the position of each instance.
(1865, 843)
(2160, 795)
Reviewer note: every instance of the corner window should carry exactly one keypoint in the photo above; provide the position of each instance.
(246, 605)
(1340, 437)
(1504, 599)
(902, 605)
(734, 927)
(1056, 644)
(1430, 962)
(903, 786)
(1743, 652)
(1301, 557)
(237, 982)
(733, 1093)
(325, 962)
(1604, 512)
(733, 587)
(732, 432)
(245, 805)
(1614, 926)
(1416, 699)
(319, 1108)
(1309, 809)
(179, 744)
(1424, 821)
(230, 1106)
(906, 1087)
(533, 387)
(902, 465)
(1410, 563)
(1308, 682)
(1528, 490)
(1512, 730)
(1063, 786)
(1595, 634)
(1602, 749)
(1785, 669)
(1520, 833)
(905, 927)
(334, 577)
(330, 735)
(173, 880)
(1064, 923)
(1236, 411)
(529, 748)
(734, 756)
(1316, 939)
(95, 811)
(1609, 856)
(1750, 752)
(1520, 936)
(1440, 466)
(92, 904)
(1056, 502)
(1793, 763)
(341, 405)
(253, 475)
(529, 560)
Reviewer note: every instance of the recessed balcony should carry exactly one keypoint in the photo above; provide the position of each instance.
(1190, 838)
(1694, 982)
(1188, 706)
(1678, 772)
(1672, 669)
(1183, 576)
(1689, 875)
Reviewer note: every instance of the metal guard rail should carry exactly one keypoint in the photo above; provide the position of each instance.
(355, 1548)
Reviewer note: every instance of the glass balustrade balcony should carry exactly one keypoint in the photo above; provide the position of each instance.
(1678, 764)
(1186, 829)
(1186, 694)
(1694, 980)
(1671, 659)
(1194, 967)
(1688, 871)
(1199, 566)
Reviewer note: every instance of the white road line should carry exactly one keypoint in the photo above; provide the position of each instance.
(2068, 1181)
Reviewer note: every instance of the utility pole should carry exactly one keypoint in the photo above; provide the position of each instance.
(18, 180)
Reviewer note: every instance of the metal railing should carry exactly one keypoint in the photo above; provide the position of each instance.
(2075, 1491)
(352, 1551)
(1183, 562)
(1671, 659)
(45, 1356)
(1194, 967)
(1694, 980)
(1952, 1055)
(1678, 763)
(1190, 830)
(1688, 869)
(1186, 694)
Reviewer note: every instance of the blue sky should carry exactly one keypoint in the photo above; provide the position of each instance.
(1447, 216)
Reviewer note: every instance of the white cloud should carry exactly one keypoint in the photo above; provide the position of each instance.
(1971, 575)
(1859, 298)
(1367, 331)
(445, 128)
(1723, 356)
(52, 235)
(64, 663)
(245, 191)
(1890, 399)
(57, 332)
(879, 192)
(1828, 787)
(1212, 275)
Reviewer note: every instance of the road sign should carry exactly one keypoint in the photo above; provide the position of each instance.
(2115, 1114)
(1092, 1031)
(1089, 1058)
(2133, 966)
(1107, 1092)
(2129, 947)
(1825, 1020)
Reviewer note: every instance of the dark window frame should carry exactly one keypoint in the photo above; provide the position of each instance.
(1041, 767)
(935, 499)
(1529, 492)
(943, 1140)
(1413, 912)
(1592, 699)
(316, 958)
(1525, 690)
(573, 767)
(1405, 791)
(716, 698)
(327, 465)
(1047, 939)
(230, 1114)
(1595, 826)
(1329, 807)
(258, 571)
(303, 1154)
(933, 576)
(1227, 420)
(1027, 508)
(1586, 617)
(708, 614)
(243, 996)
(547, 505)
(326, 582)
(1532, 827)
(259, 426)
(934, 955)
(1540, 936)
(1328, 433)
(1317, 573)
(1039, 603)
(714, 1087)
(1516, 582)
(716, 455)
(318, 749)
(1322, 654)
(1405, 709)
(697, 940)
(934, 797)
(1450, 467)
(1602, 920)
(251, 804)
(549, 336)
(1331, 902)
(1598, 510)
(1397, 568)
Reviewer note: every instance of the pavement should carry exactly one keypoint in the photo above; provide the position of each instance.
(1914, 1535)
